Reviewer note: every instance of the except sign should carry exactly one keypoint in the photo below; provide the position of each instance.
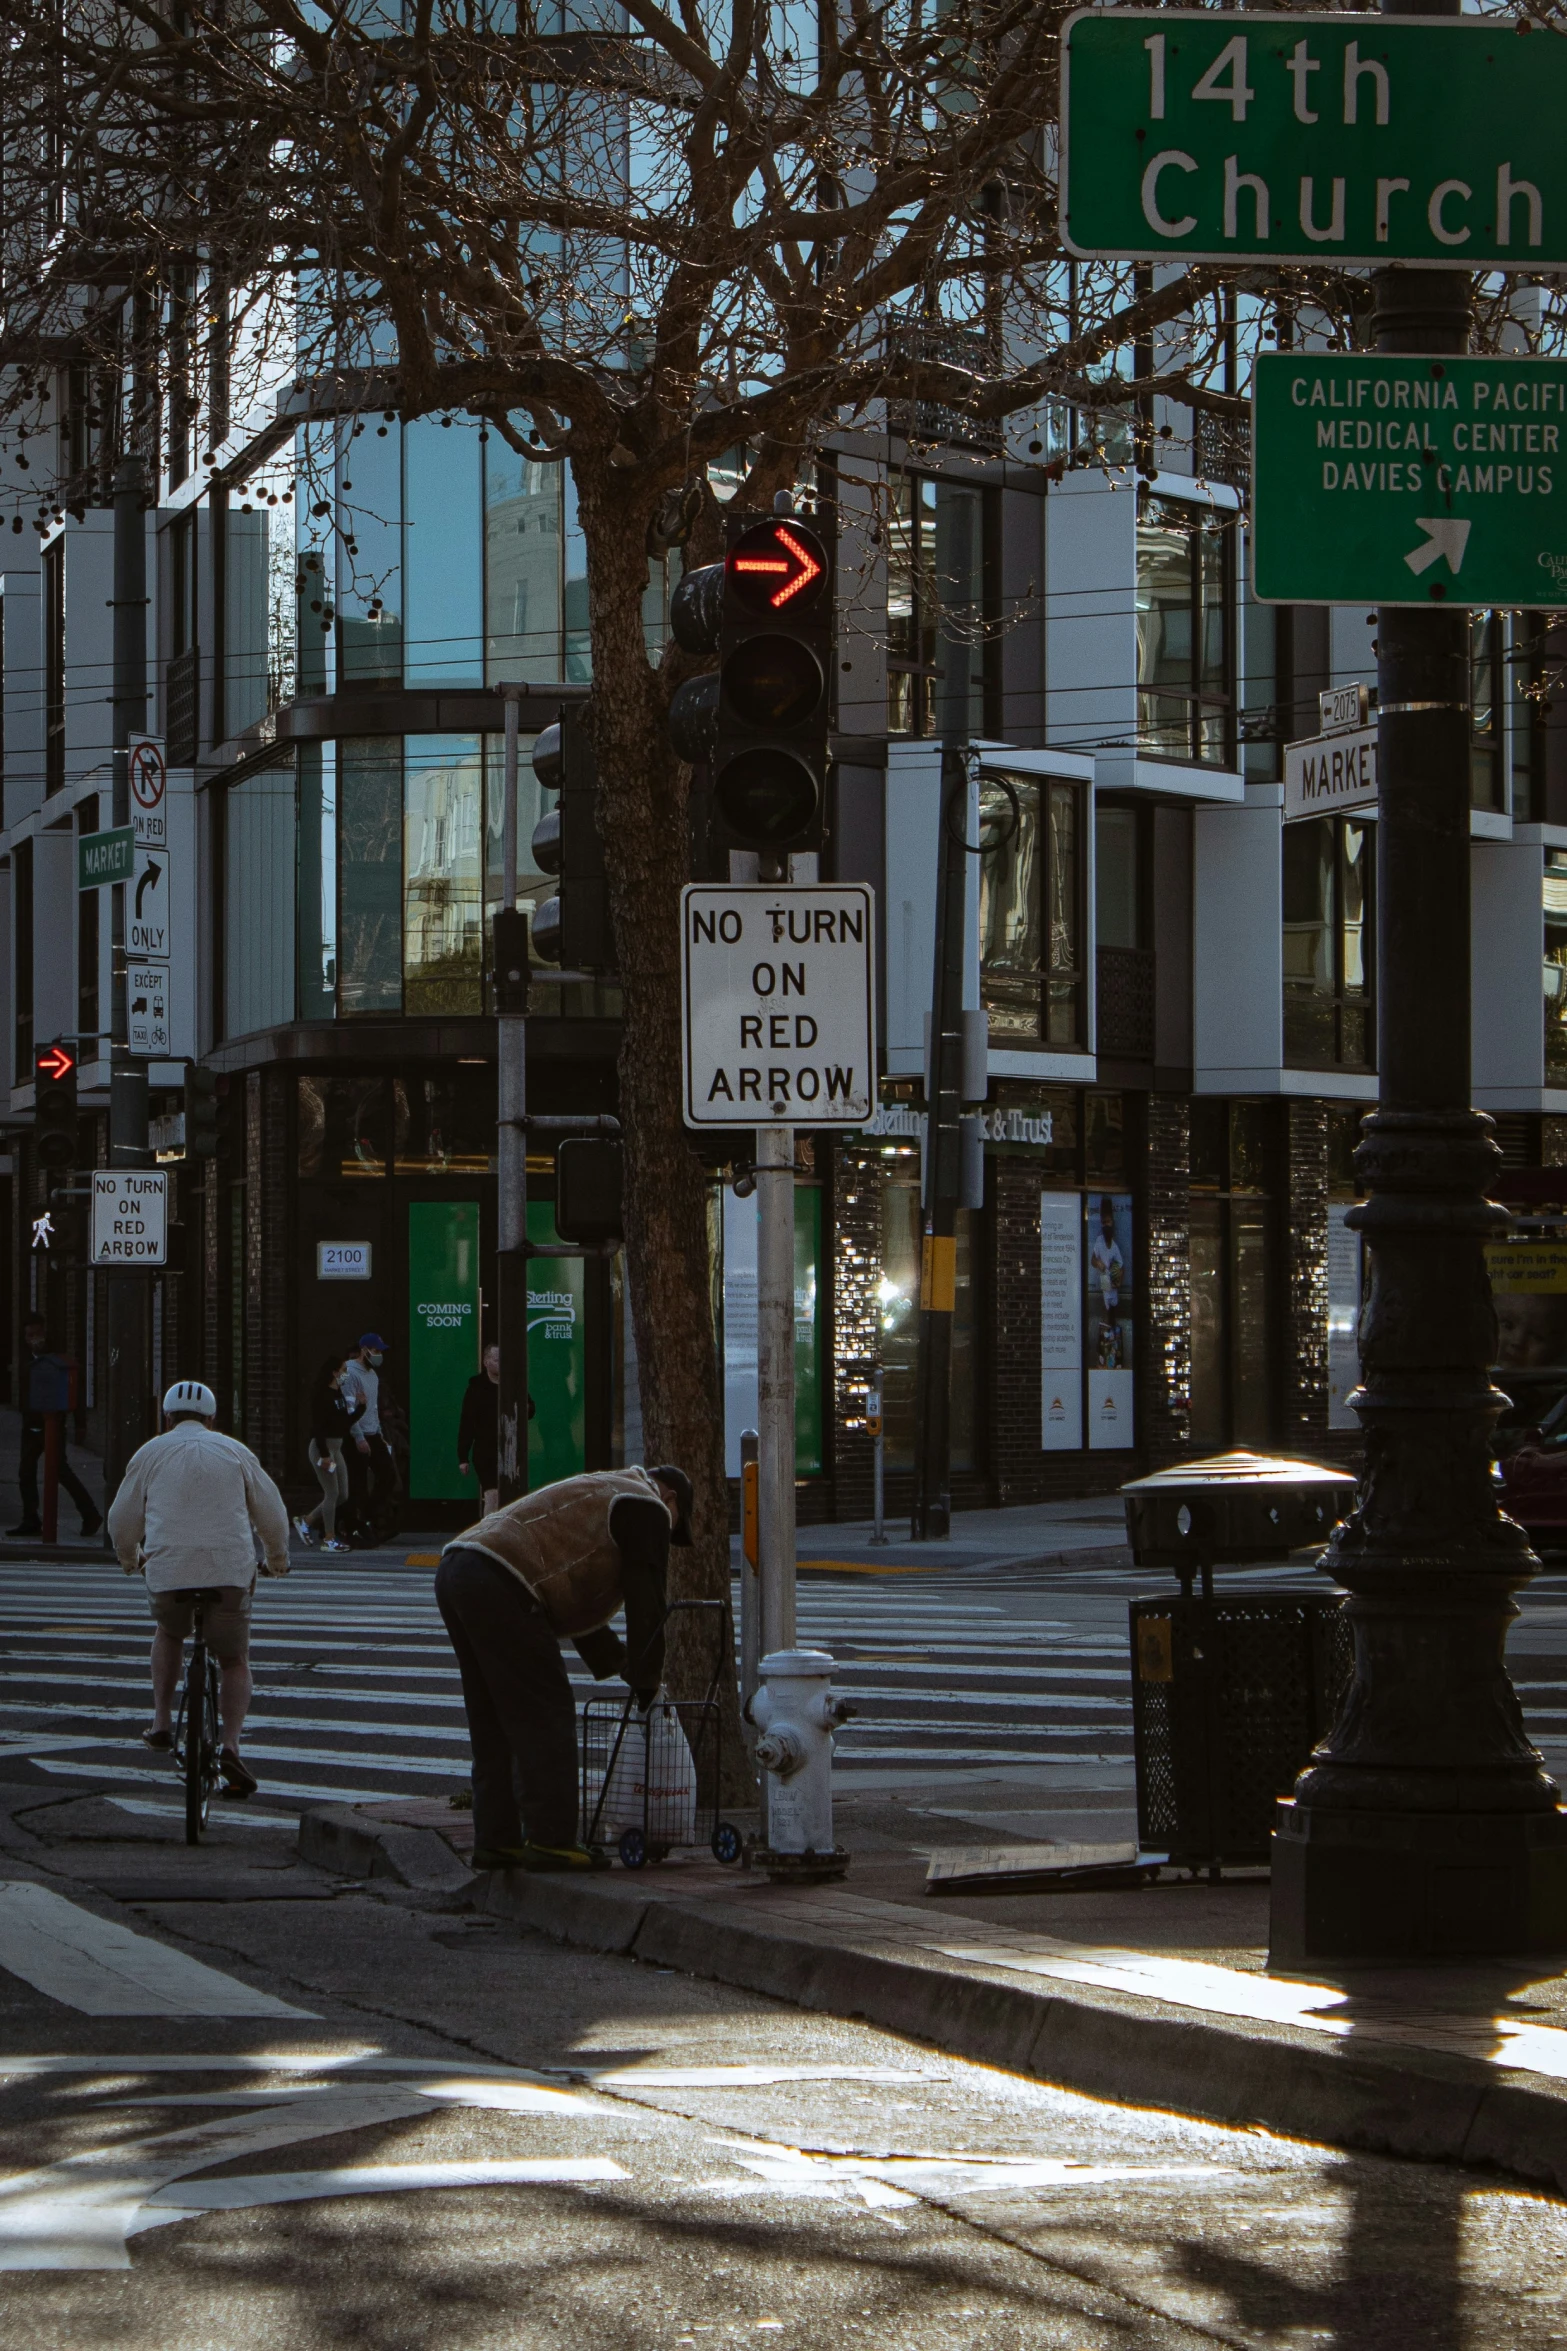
(130, 1209)
(1410, 481)
(1327, 772)
(149, 777)
(1312, 138)
(777, 1000)
(147, 1008)
(105, 857)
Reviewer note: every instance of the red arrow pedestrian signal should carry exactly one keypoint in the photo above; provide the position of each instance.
(778, 566)
(56, 1063)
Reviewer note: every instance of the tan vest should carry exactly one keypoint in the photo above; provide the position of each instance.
(558, 1543)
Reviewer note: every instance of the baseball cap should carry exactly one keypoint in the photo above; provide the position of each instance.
(372, 1339)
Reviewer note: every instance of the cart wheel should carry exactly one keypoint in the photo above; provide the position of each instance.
(657, 1852)
(632, 1849)
(726, 1842)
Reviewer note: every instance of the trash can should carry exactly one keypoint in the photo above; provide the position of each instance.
(1230, 1690)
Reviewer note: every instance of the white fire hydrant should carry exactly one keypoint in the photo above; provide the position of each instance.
(796, 1713)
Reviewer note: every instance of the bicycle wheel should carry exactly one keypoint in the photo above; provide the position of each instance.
(201, 1732)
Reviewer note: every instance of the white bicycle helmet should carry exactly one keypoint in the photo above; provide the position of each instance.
(190, 1396)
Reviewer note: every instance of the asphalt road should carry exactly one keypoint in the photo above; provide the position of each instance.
(424, 2130)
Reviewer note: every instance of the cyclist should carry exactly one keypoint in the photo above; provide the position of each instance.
(192, 1508)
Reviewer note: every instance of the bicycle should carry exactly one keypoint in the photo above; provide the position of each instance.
(197, 1740)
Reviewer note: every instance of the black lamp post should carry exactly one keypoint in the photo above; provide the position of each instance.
(1425, 1825)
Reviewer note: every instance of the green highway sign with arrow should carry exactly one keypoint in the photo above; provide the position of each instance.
(1409, 481)
(1211, 136)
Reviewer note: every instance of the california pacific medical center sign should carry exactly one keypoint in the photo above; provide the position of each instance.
(1394, 480)
(778, 1005)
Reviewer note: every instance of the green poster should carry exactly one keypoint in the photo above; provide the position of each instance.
(557, 1365)
(807, 1331)
(443, 1342)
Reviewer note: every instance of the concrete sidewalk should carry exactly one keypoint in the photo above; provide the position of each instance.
(1158, 1996)
(1028, 1534)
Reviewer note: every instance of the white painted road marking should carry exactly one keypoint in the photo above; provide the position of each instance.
(103, 1969)
(194, 2197)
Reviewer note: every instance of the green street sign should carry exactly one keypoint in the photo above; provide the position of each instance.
(105, 857)
(1345, 139)
(1409, 481)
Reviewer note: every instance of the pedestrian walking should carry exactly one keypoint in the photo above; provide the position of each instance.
(479, 1428)
(192, 1507)
(45, 1389)
(332, 1418)
(372, 1470)
(554, 1566)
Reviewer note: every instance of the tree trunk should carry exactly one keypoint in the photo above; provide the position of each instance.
(643, 821)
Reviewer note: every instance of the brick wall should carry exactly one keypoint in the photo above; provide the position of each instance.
(1164, 1405)
(856, 1272)
(1303, 1416)
(268, 1357)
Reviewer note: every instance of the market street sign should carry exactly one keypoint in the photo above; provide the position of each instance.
(105, 857)
(1329, 772)
(130, 1208)
(1348, 139)
(778, 1005)
(1409, 481)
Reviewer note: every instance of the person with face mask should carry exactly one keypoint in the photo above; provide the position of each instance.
(372, 1471)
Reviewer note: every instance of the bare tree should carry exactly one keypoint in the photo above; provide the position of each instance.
(635, 243)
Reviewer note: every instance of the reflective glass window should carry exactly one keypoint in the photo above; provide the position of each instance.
(369, 557)
(443, 934)
(443, 554)
(370, 875)
(524, 550)
(258, 900)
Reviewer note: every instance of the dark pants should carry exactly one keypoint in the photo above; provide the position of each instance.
(27, 1477)
(522, 1722)
(372, 1487)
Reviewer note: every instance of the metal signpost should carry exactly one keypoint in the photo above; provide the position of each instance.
(1409, 480)
(778, 1026)
(1338, 139)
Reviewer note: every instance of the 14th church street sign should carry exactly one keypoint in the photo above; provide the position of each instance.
(1313, 138)
(1409, 481)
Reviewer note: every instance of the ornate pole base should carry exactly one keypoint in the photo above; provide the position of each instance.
(1386, 1887)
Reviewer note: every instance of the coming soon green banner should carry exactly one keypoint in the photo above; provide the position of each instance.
(443, 1341)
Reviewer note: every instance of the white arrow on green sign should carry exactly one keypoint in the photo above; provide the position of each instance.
(105, 857)
(1214, 136)
(1409, 481)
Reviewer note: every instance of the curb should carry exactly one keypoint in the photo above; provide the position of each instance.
(1375, 2097)
(340, 1839)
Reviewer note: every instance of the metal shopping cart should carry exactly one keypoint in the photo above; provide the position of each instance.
(654, 1781)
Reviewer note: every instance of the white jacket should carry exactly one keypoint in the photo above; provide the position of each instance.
(191, 1508)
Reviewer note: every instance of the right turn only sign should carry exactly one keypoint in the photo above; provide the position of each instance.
(778, 1004)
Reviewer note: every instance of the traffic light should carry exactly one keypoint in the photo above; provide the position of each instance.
(54, 1105)
(760, 720)
(201, 1111)
(511, 960)
(588, 1190)
(572, 928)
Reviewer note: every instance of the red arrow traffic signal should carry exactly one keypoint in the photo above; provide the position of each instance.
(776, 563)
(57, 1063)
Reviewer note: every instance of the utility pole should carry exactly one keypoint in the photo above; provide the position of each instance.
(130, 1420)
(932, 1516)
(1425, 1825)
(775, 1382)
(511, 1139)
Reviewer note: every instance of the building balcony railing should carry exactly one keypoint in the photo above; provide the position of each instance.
(1126, 1003)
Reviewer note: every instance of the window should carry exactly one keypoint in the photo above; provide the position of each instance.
(939, 599)
(1555, 967)
(370, 876)
(259, 587)
(87, 941)
(443, 925)
(1118, 914)
(54, 664)
(1530, 667)
(259, 853)
(22, 970)
(1234, 1273)
(1125, 1025)
(1185, 649)
(901, 1241)
(1328, 953)
(1486, 676)
(1031, 909)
